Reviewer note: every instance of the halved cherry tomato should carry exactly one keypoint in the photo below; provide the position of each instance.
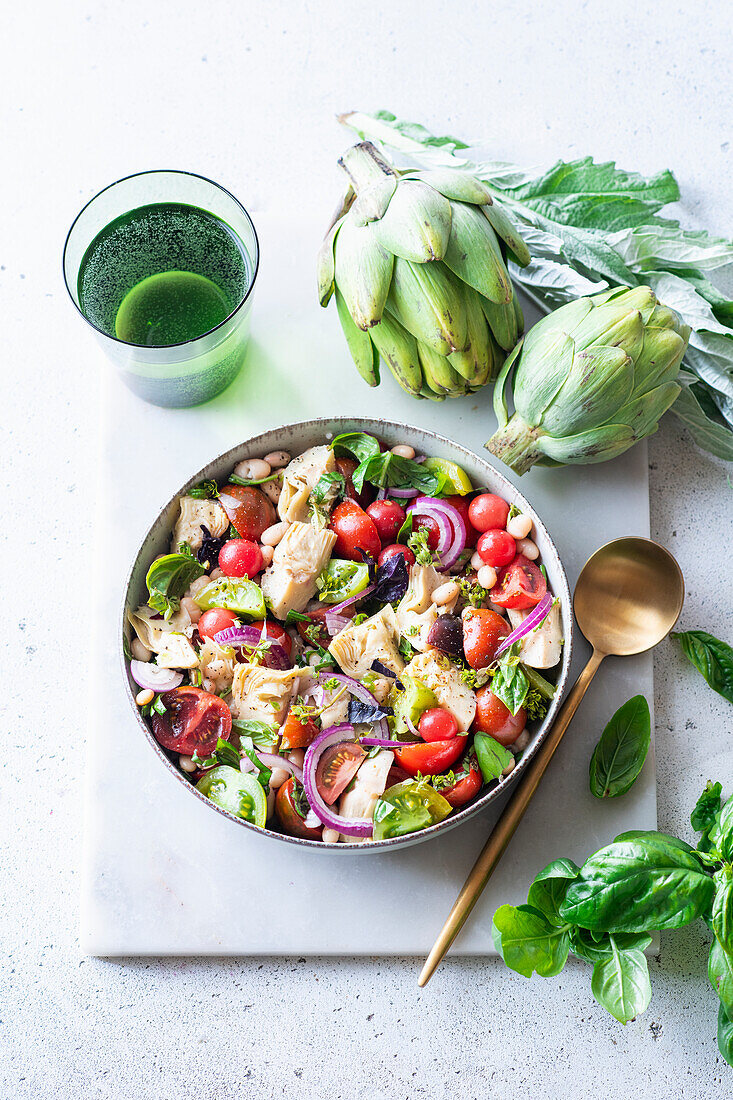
(487, 511)
(194, 720)
(437, 724)
(494, 718)
(469, 782)
(397, 548)
(336, 768)
(496, 548)
(214, 620)
(289, 799)
(520, 586)
(240, 558)
(430, 757)
(346, 466)
(275, 633)
(314, 632)
(483, 631)
(462, 505)
(388, 517)
(296, 734)
(250, 512)
(396, 774)
(355, 532)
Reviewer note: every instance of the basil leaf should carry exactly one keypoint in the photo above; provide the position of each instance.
(261, 734)
(711, 657)
(720, 833)
(167, 580)
(510, 683)
(492, 757)
(406, 529)
(706, 807)
(641, 882)
(262, 771)
(527, 941)
(620, 754)
(588, 946)
(548, 890)
(359, 444)
(725, 1035)
(720, 973)
(620, 982)
(721, 917)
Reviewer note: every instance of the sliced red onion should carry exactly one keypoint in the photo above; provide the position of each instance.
(412, 727)
(250, 637)
(382, 727)
(154, 677)
(385, 743)
(353, 685)
(273, 760)
(346, 603)
(536, 616)
(382, 493)
(404, 493)
(453, 534)
(336, 623)
(334, 735)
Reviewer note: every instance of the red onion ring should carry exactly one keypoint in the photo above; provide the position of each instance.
(536, 616)
(404, 493)
(346, 825)
(336, 623)
(273, 760)
(153, 677)
(453, 534)
(249, 637)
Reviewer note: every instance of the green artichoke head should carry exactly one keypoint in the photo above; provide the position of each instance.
(589, 380)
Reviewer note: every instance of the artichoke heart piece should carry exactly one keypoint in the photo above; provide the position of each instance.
(261, 694)
(301, 555)
(416, 224)
(193, 513)
(416, 612)
(300, 477)
(435, 671)
(356, 648)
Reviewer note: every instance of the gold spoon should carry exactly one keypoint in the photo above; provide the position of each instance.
(628, 597)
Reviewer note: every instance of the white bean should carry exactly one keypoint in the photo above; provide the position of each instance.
(271, 802)
(267, 552)
(144, 697)
(278, 777)
(252, 469)
(521, 742)
(509, 768)
(215, 574)
(445, 593)
(330, 836)
(193, 609)
(195, 586)
(272, 535)
(186, 764)
(403, 450)
(519, 526)
(476, 561)
(276, 459)
(528, 548)
(297, 756)
(272, 490)
(486, 576)
(139, 651)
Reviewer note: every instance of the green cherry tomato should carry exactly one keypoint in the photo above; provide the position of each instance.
(341, 580)
(408, 807)
(235, 791)
(458, 480)
(233, 594)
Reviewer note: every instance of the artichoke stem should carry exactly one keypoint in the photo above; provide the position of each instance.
(364, 165)
(516, 444)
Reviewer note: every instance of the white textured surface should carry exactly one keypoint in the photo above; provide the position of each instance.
(226, 89)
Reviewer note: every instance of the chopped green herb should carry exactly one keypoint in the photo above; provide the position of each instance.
(473, 593)
(359, 618)
(535, 705)
(418, 543)
(205, 490)
(234, 480)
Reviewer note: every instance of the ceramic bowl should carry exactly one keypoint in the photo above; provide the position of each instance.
(296, 438)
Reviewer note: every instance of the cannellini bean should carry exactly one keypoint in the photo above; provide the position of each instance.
(215, 574)
(267, 552)
(528, 548)
(486, 576)
(186, 764)
(278, 777)
(252, 469)
(193, 609)
(195, 586)
(272, 535)
(509, 768)
(144, 697)
(272, 490)
(139, 651)
(330, 836)
(403, 450)
(521, 742)
(271, 802)
(276, 459)
(519, 526)
(476, 561)
(297, 756)
(446, 593)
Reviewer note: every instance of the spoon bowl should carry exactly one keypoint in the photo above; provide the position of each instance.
(628, 596)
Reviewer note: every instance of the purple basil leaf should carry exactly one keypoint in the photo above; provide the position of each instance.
(366, 712)
(391, 580)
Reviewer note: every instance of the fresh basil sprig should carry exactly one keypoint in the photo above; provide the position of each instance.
(384, 469)
(620, 754)
(509, 682)
(711, 657)
(167, 580)
(604, 911)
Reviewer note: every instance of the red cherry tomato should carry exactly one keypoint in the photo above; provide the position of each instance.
(494, 718)
(462, 505)
(194, 720)
(336, 768)
(346, 466)
(488, 511)
(314, 631)
(520, 586)
(355, 531)
(395, 775)
(397, 548)
(275, 633)
(250, 512)
(437, 724)
(214, 620)
(430, 757)
(388, 517)
(496, 548)
(240, 558)
(483, 631)
(288, 797)
(469, 782)
(433, 529)
(296, 734)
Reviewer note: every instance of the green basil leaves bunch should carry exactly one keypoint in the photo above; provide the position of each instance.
(605, 911)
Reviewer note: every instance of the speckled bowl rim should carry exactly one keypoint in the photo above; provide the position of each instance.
(264, 443)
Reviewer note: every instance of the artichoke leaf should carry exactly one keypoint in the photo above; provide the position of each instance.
(326, 264)
(599, 383)
(426, 302)
(659, 360)
(504, 227)
(611, 326)
(518, 312)
(372, 202)
(439, 374)
(473, 254)
(564, 320)
(597, 445)
(363, 271)
(362, 350)
(500, 404)
(541, 373)
(476, 363)
(642, 298)
(454, 184)
(416, 224)
(398, 348)
(642, 413)
(502, 322)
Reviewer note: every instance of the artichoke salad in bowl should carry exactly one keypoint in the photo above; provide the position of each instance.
(347, 633)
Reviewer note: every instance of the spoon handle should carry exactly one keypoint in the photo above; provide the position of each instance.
(510, 817)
